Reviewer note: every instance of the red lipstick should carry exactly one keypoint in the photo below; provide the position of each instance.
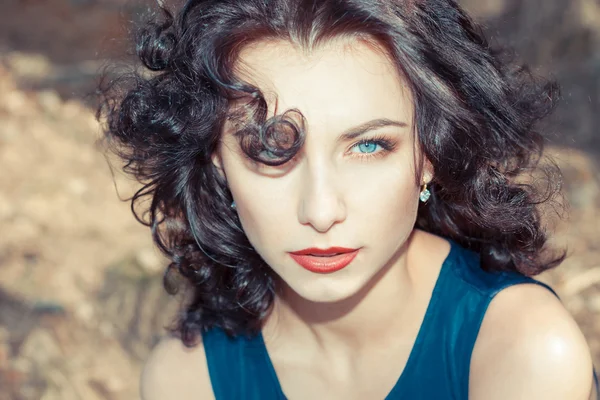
(324, 261)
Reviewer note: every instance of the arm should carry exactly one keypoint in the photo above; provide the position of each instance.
(175, 372)
(529, 347)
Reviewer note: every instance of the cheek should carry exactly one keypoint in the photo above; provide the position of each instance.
(262, 213)
(388, 206)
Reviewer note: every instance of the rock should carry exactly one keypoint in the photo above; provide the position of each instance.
(5, 352)
(7, 210)
(86, 314)
(29, 65)
(50, 101)
(41, 348)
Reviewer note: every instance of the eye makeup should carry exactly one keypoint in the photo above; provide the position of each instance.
(385, 145)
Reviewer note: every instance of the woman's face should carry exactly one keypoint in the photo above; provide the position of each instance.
(337, 191)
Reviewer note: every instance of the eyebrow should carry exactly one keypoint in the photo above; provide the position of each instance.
(361, 129)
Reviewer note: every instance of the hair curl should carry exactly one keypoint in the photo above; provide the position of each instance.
(475, 119)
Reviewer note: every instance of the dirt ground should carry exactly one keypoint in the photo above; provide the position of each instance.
(81, 300)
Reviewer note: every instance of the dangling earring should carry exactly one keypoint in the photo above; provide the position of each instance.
(233, 205)
(425, 194)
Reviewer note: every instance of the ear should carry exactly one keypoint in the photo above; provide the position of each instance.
(427, 172)
(217, 161)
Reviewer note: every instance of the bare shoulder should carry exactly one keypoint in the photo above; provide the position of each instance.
(529, 347)
(173, 371)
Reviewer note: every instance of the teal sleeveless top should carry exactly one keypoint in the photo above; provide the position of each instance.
(437, 367)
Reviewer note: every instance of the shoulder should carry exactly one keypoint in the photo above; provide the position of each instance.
(529, 347)
(173, 371)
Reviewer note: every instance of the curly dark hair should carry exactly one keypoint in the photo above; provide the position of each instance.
(475, 122)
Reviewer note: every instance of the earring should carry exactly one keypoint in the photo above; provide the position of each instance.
(233, 205)
(425, 194)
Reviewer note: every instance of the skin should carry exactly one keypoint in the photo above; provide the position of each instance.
(349, 334)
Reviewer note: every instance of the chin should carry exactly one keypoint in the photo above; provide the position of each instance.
(328, 288)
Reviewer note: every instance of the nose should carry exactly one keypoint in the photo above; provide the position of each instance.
(321, 202)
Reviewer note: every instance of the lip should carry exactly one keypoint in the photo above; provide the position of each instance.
(323, 252)
(323, 261)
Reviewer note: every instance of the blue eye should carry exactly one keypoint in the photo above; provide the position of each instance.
(373, 147)
(367, 146)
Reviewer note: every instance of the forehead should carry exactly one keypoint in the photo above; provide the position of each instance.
(342, 81)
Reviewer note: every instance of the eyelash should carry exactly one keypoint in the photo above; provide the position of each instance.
(386, 144)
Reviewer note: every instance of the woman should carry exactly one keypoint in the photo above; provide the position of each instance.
(341, 184)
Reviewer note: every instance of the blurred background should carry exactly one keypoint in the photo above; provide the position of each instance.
(81, 300)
